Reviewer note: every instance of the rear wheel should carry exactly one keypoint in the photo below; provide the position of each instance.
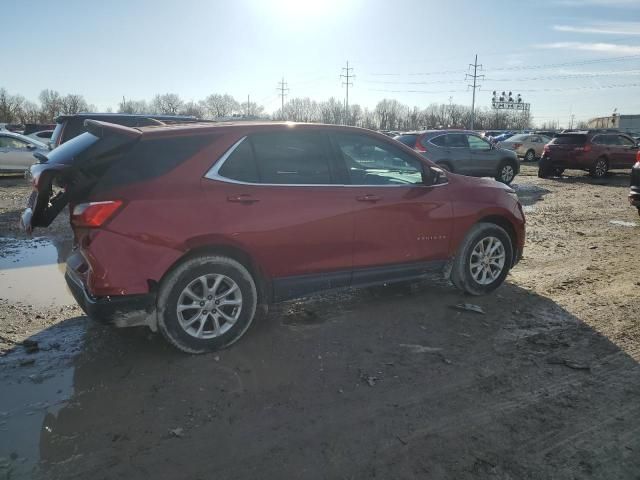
(445, 166)
(599, 168)
(506, 172)
(530, 156)
(206, 303)
(483, 260)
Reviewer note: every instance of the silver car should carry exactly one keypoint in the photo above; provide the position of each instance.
(16, 151)
(464, 152)
(527, 146)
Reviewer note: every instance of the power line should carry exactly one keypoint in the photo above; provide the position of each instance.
(475, 78)
(282, 87)
(567, 89)
(347, 75)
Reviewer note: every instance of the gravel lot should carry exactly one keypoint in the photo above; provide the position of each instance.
(383, 383)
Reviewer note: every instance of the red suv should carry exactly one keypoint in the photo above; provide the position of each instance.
(188, 228)
(594, 151)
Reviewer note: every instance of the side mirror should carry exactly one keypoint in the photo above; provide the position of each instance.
(31, 146)
(434, 176)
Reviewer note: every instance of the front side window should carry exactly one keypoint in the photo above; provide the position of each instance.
(13, 143)
(371, 162)
(625, 141)
(476, 143)
(280, 158)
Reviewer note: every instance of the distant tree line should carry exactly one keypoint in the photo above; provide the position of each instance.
(388, 114)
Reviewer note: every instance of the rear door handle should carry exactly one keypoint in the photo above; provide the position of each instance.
(242, 198)
(369, 198)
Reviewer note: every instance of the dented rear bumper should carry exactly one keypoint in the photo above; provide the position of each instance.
(118, 310)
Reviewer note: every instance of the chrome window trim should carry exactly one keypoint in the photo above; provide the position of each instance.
(214, 174)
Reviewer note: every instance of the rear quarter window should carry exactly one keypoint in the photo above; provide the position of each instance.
(150, 159)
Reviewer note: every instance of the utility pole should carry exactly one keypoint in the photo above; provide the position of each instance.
(282, 87)
(475, 85)
(347, 75)
(247, 105)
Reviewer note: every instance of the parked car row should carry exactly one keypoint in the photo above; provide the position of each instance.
(16, 151)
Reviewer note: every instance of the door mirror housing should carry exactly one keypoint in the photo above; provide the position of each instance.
(434, 176)
(30, 146)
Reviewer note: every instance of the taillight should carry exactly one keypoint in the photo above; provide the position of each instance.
(517, 145)
(94, 214)
(546, 149)
(638, 159)
(586, 148)
(419, 146)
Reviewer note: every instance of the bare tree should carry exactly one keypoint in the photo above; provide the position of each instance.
(133, 106)
(193, 109)
(29, 112)
(51, 103)
(252, 109)
(167, 104)
(74, 103)
(10, 106)
(218, 106)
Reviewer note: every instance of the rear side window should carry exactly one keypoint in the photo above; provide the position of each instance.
(152, 158)
(409, 140)
(457, 140)
(570, 139)
(241, 164)
(291, 158)
(439, 141)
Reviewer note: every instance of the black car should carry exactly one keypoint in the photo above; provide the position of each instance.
(70, 126)
(634, 192)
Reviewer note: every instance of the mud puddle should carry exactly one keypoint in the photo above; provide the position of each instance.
(32, 272)
(36, 374)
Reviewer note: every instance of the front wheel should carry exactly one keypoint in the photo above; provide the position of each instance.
(506, 172)
(483, 260)
(530, 156)
(206, 303)
(600, 168)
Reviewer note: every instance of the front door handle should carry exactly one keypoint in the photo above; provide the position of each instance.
(369, 198)
(242, 198)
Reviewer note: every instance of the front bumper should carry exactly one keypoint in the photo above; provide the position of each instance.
(121, 311)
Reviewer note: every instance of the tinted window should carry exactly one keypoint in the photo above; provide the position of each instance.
(148, 159)
(476, 143)
(291, 158)
(372, 162)
(570, 139)
(625, 141)
(440, 141)
(409, 140)
(241, 164)
(457, 140)
(599, 140)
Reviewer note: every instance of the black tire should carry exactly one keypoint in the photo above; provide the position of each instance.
(558, 171)
(545, 170)
(530, 156)
(461, 271)
(600, 168)
(506, 172)
(445, 166)
(174, 285)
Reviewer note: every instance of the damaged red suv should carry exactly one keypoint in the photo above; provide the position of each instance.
(188, 228)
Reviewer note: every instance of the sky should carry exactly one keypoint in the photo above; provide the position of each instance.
(565, 57)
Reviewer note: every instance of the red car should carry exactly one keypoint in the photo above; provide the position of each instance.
(188, 228)
(594, 151)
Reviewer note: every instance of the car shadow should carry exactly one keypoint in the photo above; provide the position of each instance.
(613, 179)
(399, 382)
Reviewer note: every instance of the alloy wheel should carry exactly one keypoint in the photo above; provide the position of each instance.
(209, 306)
(487, 260)
(507, 173)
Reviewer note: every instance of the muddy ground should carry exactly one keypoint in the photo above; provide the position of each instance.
(385, 383)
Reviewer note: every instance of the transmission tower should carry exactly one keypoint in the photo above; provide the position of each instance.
(282, 88)
(475, 85)
(347, 75)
